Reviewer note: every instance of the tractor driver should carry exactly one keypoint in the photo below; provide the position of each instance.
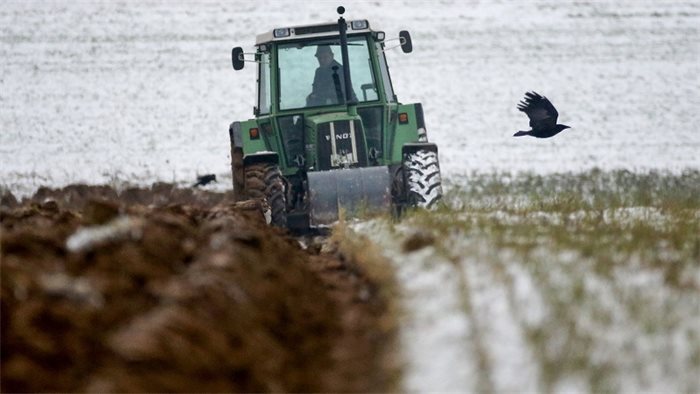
(329, 83)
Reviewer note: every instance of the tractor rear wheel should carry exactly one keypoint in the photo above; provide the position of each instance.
(422, 180)
(237, 171)
(264, 180)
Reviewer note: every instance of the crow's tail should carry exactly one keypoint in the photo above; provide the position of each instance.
(521, 133)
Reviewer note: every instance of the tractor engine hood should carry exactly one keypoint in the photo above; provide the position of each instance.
(339, 139)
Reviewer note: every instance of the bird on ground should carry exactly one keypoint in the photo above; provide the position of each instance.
(205, 179)
(543, 116)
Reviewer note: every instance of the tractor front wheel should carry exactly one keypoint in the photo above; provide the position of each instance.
(264, 180)
(422, 180)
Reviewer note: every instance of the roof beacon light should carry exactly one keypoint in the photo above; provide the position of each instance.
(359, 25)
(284, 32)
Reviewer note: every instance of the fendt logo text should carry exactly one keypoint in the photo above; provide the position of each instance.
(342, 136)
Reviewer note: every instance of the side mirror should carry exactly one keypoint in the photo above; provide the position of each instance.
(237, 58)
(406, 44)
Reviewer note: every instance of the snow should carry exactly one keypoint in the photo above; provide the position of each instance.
(107, 92)
(479, 318)
(90, 237)
(513, 366)
(436, 335)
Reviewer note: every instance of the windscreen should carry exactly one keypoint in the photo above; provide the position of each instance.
(311, 73)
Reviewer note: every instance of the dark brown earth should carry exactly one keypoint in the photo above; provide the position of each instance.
(179, 291)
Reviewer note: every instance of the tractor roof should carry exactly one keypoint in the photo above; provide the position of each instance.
(311, 31)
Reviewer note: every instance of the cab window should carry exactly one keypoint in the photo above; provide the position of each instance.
(264, 84)
(311, 75)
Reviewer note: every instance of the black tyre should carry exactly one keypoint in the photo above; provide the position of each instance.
(264, 180)
(422, 180)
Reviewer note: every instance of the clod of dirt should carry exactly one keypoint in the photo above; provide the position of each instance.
(418, 240)
(74, 197)
(7, 200)
(98, 211)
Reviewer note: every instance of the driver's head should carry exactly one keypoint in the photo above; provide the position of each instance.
(324, 55)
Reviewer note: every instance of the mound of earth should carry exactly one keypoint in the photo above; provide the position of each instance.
(163, 289)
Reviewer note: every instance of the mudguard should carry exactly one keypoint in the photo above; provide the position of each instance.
(261, 157)
(356, 191)
(413, 147)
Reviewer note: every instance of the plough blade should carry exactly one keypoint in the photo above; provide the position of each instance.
(356, 191)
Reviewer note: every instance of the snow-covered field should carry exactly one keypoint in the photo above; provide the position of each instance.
(508, 291)
(141, 91)
(115, 92)
(485, 322)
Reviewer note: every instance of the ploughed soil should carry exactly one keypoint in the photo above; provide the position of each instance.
(163, 289)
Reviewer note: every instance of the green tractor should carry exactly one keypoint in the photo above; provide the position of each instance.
(316, 149)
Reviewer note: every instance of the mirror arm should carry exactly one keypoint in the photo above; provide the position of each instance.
(400, 39)
(242, 58)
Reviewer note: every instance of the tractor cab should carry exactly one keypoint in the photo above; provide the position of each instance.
(325, 107)
(309, 72)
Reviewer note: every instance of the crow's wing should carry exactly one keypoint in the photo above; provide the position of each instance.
(541, 112)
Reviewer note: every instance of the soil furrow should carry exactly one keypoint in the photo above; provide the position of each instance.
(164, 289)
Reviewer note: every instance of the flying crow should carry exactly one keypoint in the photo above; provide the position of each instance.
(205, 179)
(543, 116)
